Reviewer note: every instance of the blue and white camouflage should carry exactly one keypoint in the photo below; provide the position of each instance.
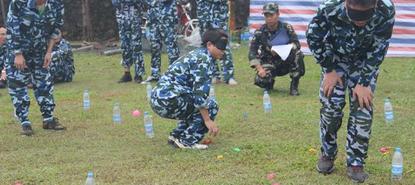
(214, 13)
(162, 21)
(28, 32)
(62, 67)
(355, 53)
(182, 91)
(128, 15)
(3, 56)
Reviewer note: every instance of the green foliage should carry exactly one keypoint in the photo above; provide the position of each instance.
(122, 154)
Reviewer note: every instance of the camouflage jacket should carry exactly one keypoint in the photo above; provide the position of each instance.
(190, 74)
(260, 49)
(331, 33)
(29, 30)
(119, 3)
(2, 56)
(162, 11)
(62, 52)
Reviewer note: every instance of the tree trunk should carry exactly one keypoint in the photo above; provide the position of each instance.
(86, 21)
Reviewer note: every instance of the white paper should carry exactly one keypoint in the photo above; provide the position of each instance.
(282, 50)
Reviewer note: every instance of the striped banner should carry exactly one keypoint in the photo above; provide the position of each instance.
(299, 13)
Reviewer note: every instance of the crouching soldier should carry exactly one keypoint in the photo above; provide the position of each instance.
(62, 66)
(182, 92)
(269, 64)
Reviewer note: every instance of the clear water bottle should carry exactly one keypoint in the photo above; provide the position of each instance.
(388, 111)
(90, 179)
(116, 114)
(267, 102)
(397, 165)
(148, 125)
(212, 92)
(86, 101)
(149, 89)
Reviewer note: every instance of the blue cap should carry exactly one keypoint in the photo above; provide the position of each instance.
(90, 174)
(397, 149)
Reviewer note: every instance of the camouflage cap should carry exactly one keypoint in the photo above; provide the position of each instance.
(270, 8)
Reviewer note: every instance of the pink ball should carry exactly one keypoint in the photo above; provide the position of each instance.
(271, 176)
(136, 113)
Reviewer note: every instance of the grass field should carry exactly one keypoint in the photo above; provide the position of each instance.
(122, 154)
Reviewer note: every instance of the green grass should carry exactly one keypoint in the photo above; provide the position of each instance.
(122, 154)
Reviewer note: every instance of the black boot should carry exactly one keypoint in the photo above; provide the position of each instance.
(3, 84)
(294, 87)
(125, 78)
(138, 79)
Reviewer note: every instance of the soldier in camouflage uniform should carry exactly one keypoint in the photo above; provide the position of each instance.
(33, 27)
(349, 39)
(128, 14)
(269, 64)
(182, 92)
(162, 19)
(214, 14)
(62, 67)
(2, 57)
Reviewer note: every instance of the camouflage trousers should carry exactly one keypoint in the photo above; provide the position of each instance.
(159, 33)
(42, 86)
(129, 26)
(293, 65)
(215, 14)
(62, 70)
(190, 127)
(359, 122)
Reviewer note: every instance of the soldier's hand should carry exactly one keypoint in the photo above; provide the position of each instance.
(364, 96)
(330, 80)
(48, 59)
(213, 128)
(3, 75)
(19, 62)
(261, 71)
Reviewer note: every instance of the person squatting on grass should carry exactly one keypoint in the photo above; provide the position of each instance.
(33, 27)
(214, 13)
(62, 66)
(269, 64)
(349, 39)
(3, 47)
(182, 92)
(128, 15)
(162, 20)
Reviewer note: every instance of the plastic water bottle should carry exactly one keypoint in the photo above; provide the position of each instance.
(388, 111)
(212, 92)
(86, 101)
(267, 102)
(116, 116)
(149, 89)
(397, 165)
(90, 179)
(148, 125)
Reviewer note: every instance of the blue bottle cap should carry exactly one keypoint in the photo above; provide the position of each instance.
(397, 149)
(90, 174)
(146, 113)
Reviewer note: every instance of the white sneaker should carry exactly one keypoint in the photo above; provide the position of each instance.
(149, 80)
(232, 82)
(195, 146)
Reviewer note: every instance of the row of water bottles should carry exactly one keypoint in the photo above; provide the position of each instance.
(116, 112)
(87, 101)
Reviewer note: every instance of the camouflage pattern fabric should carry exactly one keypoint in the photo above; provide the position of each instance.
(28, 32)
(214, 13)
(182, 91)
(162, 21)
(355, 53)
(128, 15)
(62, 67)
(294, 64)
(3, 56)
